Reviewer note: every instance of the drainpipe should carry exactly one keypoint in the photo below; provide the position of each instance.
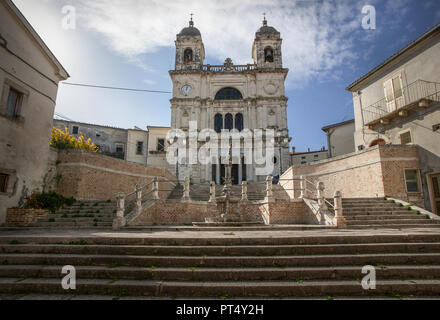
(330, 149)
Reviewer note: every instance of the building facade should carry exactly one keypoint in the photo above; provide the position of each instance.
(227, 97)
(398, 103)
(132, 145)
(340, 138)
(29, 78)
(303, 158)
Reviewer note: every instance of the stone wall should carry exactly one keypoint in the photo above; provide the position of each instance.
(23, 217)
(88, 176)
(376, 172)
(185, 213)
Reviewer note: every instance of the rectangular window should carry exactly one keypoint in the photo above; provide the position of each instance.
(140, 147)
(436, 127)
(75, 130)
(303, 162)
(120, 148)
(4, 182)
(161, 145)
(316, 156)
(412, 180)
(13, 103)
(405, 138)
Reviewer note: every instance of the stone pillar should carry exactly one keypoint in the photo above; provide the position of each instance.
(138, 198)
(321, 199)
(119, 221)
(186, 189)
(302, 187)
(244, 191)
(156, 189)
(339, 216)
(212, 198)
(269, 189)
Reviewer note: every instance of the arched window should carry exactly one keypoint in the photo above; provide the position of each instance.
(268, 54)
(218, 123)
(239, 122)
(379, 142)
(228, 94)
(229, 122)
(188, 56)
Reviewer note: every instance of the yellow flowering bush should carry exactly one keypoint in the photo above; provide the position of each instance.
(64, 140)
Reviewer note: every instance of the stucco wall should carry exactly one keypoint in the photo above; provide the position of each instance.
(342, 140)
(24, 142)
(423, 64)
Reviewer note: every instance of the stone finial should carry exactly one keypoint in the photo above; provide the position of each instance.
(269, 189)
(264, 20)
(302, 187)
(138, 198)
(156, 189)
(191, 22)
(320, 192)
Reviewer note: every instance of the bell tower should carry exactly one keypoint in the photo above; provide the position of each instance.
(266, 51)
(190, 51)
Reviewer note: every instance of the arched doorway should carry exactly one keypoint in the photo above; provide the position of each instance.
(378, 142)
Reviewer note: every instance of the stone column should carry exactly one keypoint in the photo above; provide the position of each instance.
(339, 217)
(156, 189)
(320, 192)
(302, 187)
(244, 191)
(186, 189)
(212, 195)
(269, 189)
(138, 198)
(119, 221)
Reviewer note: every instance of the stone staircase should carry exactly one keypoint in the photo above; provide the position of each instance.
(370, 213)
(256, 192)
(302, 265)
(81, 215)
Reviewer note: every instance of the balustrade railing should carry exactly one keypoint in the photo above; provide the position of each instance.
(229, 68)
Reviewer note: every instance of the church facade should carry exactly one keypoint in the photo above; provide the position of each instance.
(231, 98)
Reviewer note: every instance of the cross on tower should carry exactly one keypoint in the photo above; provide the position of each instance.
(191, 22)
(264, 20)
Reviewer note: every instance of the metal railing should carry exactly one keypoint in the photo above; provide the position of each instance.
(414, 92)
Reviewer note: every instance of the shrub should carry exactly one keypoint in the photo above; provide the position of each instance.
(49, 201)
(63, 140)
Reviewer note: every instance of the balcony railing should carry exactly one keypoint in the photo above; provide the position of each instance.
(414, 94)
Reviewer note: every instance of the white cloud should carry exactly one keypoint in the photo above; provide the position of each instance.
(318, 35)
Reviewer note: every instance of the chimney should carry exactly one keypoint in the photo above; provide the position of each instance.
(308, 150)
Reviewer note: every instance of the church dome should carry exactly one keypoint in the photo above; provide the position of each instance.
(266, 30)
(190, 31)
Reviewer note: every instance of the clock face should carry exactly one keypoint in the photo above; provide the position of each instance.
(186, 90)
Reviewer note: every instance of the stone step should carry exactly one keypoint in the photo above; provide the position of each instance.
(297, 275)
(221, 262)
(384, 217)
(363, 211)
(392, 222)
(221, 250)
(53, 219)
(134, 238)
(72, 225)
(394, 226)
(150, 288)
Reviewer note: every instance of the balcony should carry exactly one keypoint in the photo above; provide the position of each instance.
(419, 94)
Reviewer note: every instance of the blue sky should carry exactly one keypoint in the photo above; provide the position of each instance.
(131, 44)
